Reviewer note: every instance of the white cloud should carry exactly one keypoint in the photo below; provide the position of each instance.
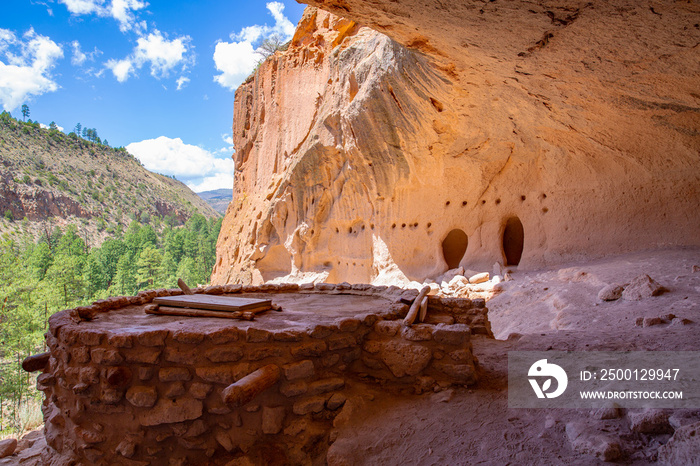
(181, 82)
(210, 183)
(83, 7)
(120, 10)
(227, 138)
(197, 167)
(237, 59)
(27, 73)
(79, 57)
(161, 54)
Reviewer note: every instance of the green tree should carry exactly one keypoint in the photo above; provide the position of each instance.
(149, 268)
(125, 279)
(25, 112)
(41, 259)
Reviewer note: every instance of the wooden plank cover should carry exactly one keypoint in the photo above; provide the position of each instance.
(215, 303)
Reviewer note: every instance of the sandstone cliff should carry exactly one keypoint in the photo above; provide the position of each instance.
(529, 133)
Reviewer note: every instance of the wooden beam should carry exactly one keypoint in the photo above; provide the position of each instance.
(189, 312)
(36, 362)
(415, 307)
(250, 386)
(183, 286)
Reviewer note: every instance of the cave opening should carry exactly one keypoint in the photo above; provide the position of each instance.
(453, 247)
(513, 241)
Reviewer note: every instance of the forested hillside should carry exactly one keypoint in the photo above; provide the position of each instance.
(59, 271)
(49, 176)
(81, 221)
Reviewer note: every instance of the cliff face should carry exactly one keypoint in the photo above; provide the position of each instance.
(541, 131)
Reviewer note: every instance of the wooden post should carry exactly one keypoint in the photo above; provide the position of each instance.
(183, 286)
(250, 386)
(415, 307)
(423, 309)
(36, 362)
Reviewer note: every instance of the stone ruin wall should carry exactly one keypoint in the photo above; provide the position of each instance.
(356, 156)
(152, 396)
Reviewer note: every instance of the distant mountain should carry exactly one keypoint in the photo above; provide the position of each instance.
(218, 199)
(47, 176)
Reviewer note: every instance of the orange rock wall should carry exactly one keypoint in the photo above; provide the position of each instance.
(357, 156)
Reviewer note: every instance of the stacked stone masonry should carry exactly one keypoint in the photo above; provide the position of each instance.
(153, 395)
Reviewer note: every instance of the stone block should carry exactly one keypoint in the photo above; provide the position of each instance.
(348, 324)
(188, 337)
(642, 287)
(169, 411)
(417, 332)
(256, 335)
(142, 396)
(299, 370)
(337, 400)
(152, 337)
(341, 342)
(223, 374)
(224, 354)
(173, 374)
(683, 447)
(257, 353)
(326, 385)
(81, 355)
(273, 419)
(588, 440)
(127, 448)
(461, 356)
(143, 355)
(652, 421)
(288, 335)
(314, 404)
(321, 331)
(197, 428)
(330, 360)
(106, 357)
(90, 337)
(455, 335)
(120, 341)
(387, 328)
(180, 355)
(174, 390)
(7, 447)
(309, 349)
(404, 358)
(225, 335)
(373, 346)
(200, 390)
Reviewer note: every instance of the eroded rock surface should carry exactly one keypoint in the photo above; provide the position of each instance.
(544, 131)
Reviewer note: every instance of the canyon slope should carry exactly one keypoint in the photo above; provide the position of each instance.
(469, 133)
(50, 178)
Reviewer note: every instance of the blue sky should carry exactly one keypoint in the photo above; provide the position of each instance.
(156, 77)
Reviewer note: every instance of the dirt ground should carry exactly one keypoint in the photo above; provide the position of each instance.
(552, 309)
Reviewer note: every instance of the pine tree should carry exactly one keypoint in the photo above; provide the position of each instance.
(25, 112)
